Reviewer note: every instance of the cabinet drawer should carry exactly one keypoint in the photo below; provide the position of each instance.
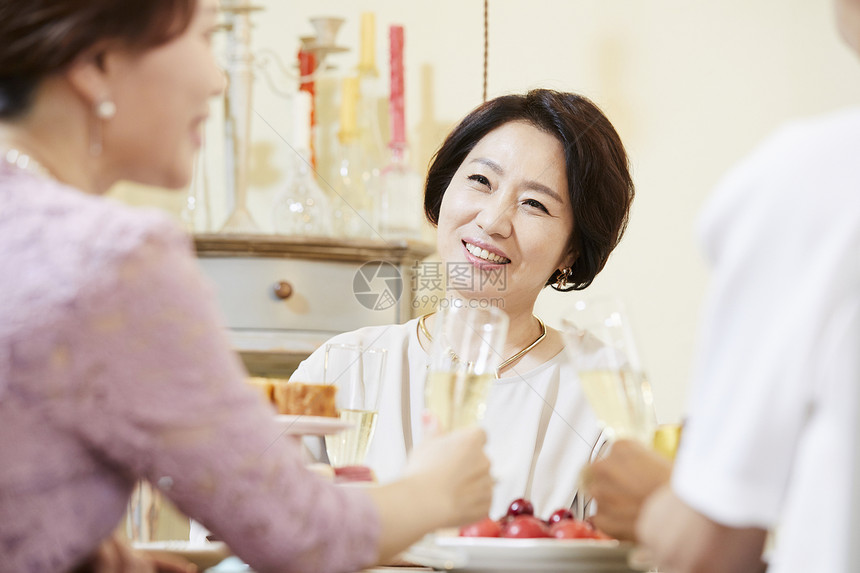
(322, 296)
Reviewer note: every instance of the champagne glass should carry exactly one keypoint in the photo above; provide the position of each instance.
(357, 373)
(466, 349)
(599, 341)
(667, 439)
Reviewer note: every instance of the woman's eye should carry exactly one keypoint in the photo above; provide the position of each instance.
(480, 179)
(535, 204)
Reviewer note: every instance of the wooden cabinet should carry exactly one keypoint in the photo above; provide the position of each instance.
(284, 296)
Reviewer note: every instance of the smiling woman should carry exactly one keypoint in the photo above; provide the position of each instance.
(508, 196)
(589, 155)
(113, 362)
(528, 191)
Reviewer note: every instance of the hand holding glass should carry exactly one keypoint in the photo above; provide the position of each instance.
(357, 373)
(466, 349)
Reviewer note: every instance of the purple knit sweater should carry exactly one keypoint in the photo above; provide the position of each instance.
(115, 365)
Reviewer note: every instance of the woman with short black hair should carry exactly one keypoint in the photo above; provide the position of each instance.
(528, 191)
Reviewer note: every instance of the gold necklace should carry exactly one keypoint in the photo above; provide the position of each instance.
(504, 363)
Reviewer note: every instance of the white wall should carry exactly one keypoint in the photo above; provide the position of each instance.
(690, 85)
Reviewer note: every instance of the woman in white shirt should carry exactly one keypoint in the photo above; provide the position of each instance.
(528, 191)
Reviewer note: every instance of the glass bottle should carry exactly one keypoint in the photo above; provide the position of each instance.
(301, 208)
(400, 202)
(352, 208)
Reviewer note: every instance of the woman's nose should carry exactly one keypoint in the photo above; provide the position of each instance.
(496, 214)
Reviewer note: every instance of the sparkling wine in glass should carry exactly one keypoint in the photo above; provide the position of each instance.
(600, 343)
(358, 373)
(466, 349)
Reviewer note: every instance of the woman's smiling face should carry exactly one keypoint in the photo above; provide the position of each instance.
(506, 218)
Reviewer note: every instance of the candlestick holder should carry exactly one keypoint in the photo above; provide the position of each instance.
(237, 113)
(242, 65)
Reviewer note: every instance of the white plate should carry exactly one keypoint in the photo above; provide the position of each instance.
(204, 555)
(312, 425)
(485, 554)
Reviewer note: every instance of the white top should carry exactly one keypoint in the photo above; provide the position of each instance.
(540, 428)
(771, 435)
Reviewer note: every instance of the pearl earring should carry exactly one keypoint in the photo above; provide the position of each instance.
(105, 109)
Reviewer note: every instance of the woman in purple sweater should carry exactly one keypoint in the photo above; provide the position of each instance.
(113, 361)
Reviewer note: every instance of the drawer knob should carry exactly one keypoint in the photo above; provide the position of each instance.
(283, 290)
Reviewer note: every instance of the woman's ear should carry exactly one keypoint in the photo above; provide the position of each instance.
(88, 76)
(571, 258)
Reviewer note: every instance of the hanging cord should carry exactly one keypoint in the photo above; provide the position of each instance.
(486, 43)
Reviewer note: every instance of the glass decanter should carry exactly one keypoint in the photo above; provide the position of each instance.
(301, 208)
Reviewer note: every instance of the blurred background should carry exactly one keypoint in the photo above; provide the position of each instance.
(690, 86)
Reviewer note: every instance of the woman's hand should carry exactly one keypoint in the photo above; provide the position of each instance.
(621, 482)
(456, 470)
(446, 483)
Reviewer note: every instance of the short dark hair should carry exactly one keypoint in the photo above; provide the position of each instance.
(598, 174)
(39, 38)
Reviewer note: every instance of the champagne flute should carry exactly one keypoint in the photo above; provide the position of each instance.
(599, 341)
(357, 373)
(466, 349)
